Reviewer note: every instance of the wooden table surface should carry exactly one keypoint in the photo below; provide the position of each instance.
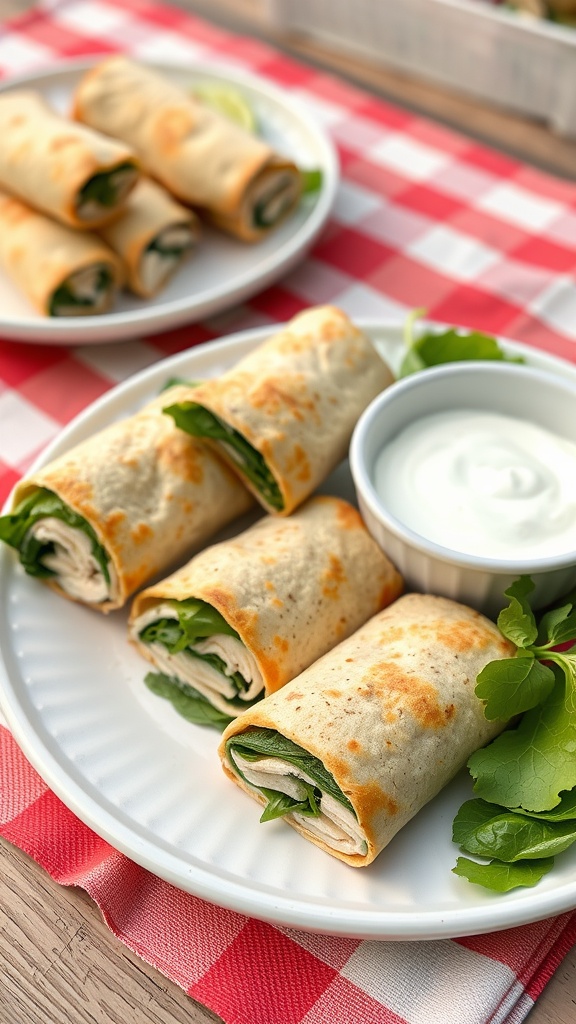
(60, 963)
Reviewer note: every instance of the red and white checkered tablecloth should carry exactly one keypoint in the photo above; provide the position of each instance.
(424, 217)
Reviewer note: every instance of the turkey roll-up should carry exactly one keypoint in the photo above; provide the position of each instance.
(353, 747)
(77, 175)
(63, 272)
(104, 518)
(284, 415)
(152, 236)
(198, 154)
(246, 615)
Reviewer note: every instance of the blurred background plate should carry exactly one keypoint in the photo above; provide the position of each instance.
(223, 271)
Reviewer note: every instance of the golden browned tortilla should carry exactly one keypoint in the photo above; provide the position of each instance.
(150, 216)
(199, 155)
(291, 588)
(41, 255)
(45, 159)
(296, 399)
(151, 494)
(391, 713)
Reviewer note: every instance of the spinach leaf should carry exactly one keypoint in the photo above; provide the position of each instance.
(65, 296)
(199, 422)
(256, 743)
(41, 504)
(280, 804)
(197, 620)
(103, 187)
(193, 706)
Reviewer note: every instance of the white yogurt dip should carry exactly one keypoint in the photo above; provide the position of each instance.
(482, 484)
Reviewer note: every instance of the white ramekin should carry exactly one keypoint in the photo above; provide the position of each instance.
(506, 388)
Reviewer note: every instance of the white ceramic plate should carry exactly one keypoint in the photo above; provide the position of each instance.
(222, 271)
(150, 783)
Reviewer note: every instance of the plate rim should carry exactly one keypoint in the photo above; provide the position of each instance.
(111, 327)
(301, 913)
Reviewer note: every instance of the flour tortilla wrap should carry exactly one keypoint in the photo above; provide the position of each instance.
(284, 415)
(199, 155)
(63, 272)
(145, 495)
(285, 591)
(76, 175)
(381, 723)
(152, 236)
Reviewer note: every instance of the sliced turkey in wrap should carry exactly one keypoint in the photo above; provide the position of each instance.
(284, 415)
(76, 175)
(104, 518)
(198, 154)
(353, 747)
(246, 615)
(152, 236)
(63, 272)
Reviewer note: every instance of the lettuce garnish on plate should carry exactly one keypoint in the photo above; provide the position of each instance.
(432, 348)
(525, 779)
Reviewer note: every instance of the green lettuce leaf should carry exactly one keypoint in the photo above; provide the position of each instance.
(41, 504)
(196, 420)
(433, 348)
(513, 685)
(531, 765)
(485, 830)
(503, 877)
(517, 622)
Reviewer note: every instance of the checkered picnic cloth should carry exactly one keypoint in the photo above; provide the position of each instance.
(424, 217)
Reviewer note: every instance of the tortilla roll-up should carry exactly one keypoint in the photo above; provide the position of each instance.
(63, 272)
(198, 154)
(245, 616)
(69, 171)
(104, 518)
(152, 237)
(284, 415)
(352, 748)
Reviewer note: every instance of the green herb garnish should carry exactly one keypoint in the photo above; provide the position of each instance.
(257, 743)
(196, 420)
(41, 504)
(526, 778)
(452, 346)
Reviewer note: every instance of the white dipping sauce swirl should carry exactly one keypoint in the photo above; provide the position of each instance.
(482, 484)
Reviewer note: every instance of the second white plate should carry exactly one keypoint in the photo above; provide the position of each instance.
(150, 783)
(222, 271)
